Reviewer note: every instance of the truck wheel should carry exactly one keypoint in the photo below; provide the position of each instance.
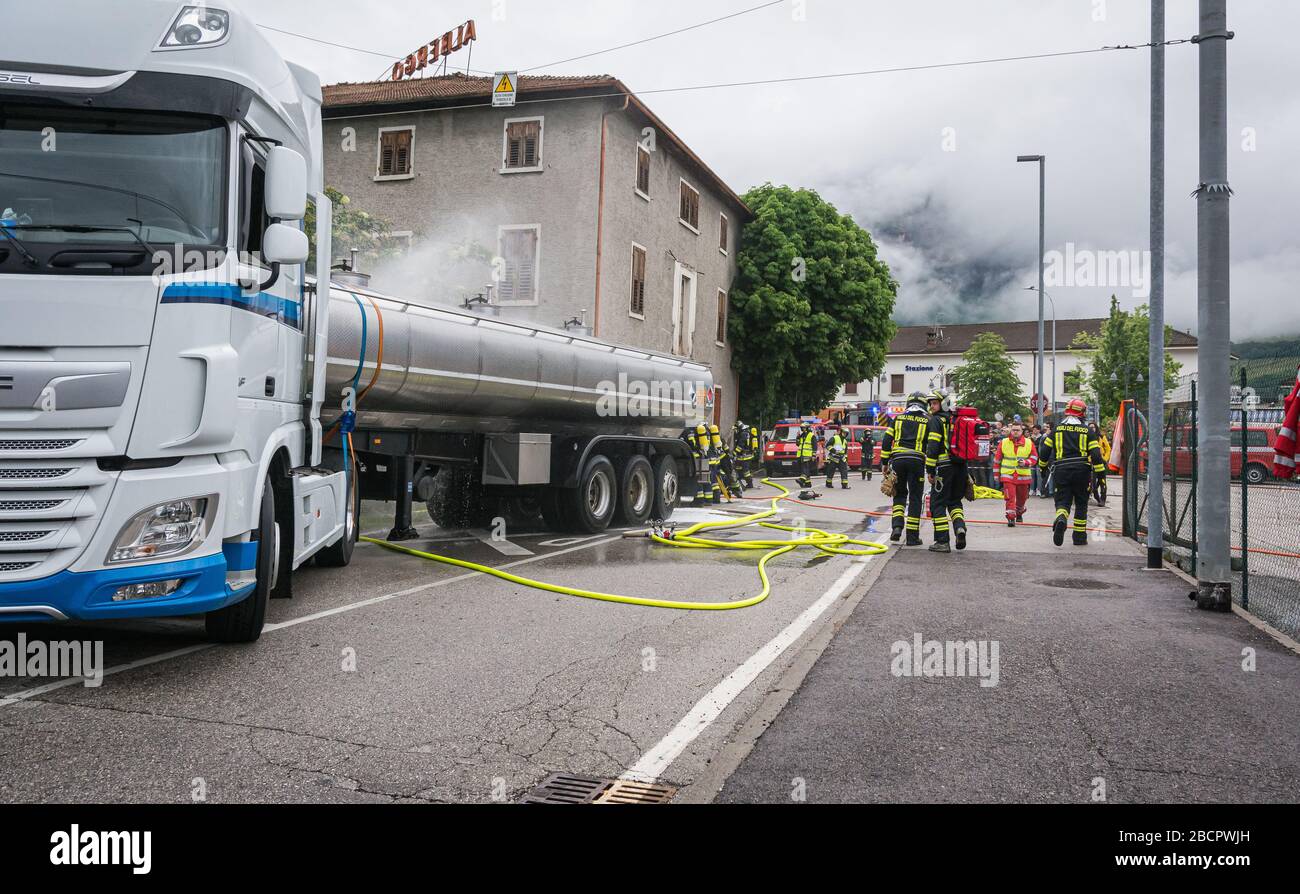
(1256, 474)
(339, 555)
(668, 488)
(590, 507)
(242, 622)
(636, 492)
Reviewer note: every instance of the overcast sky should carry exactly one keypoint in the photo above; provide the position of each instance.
(925, 160)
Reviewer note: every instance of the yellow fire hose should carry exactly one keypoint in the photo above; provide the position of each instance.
(834, 544)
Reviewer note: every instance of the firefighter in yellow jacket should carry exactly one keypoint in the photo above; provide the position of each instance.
(1074, 456)
(807, 459)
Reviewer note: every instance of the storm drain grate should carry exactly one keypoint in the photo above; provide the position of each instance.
(625, 792)
(1078, 583)
(566, 788)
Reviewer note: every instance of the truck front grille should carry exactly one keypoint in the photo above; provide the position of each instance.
(29, 505)
(33, 474)
(22, 536)
(39, 444)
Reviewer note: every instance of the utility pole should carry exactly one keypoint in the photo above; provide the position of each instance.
(1214, 563)
(1156, 390)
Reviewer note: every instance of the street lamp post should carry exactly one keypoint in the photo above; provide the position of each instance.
(1042, 251)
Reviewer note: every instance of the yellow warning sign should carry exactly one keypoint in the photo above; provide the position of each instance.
(504, 88)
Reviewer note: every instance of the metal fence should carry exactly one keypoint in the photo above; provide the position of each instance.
(1265, 510)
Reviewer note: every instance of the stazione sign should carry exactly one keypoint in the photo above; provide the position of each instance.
(435, 50)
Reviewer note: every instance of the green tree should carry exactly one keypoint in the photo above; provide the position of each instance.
(811, 305)
(988, 379)
(1121, 350)
(351, 228)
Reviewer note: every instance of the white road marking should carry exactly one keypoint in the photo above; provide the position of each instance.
(505, 547)
(655, 762)
(272, 628)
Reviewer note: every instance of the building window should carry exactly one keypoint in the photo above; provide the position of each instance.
(636, 301)
(689, 212)
(723, 226)
(520, 252)
(896, 383)
(396, 153)
(642, 171)
(851, 388)
(717, 405)
(721, 337)
(523, 145)
(1073, 381)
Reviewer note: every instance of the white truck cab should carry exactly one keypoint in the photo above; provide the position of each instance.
(160, 452)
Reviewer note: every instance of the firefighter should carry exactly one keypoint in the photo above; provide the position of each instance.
(745, 450)
(698, 438)
(1073, 456)
(902, 450)
(868, 454)
(715, 453)
(837, 459)
(807, 458)
(947, 476)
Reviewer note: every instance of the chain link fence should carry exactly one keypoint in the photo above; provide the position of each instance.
(1265, 510)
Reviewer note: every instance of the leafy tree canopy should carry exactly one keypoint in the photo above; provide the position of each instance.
(988, 378)
(351, 228)
(1121, 350)
(811, 305)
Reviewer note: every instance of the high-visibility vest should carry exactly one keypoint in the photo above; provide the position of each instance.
(807, 444)
(1012, 456)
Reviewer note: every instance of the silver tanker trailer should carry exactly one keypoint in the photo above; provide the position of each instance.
(474, 416)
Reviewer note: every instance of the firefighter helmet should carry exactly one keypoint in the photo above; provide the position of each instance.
(916, 397)
(1076, 407)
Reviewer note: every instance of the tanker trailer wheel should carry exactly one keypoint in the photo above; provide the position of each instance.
(636, 492)
(590, 507)
(458, 500)
(668, 488)
(242, 622)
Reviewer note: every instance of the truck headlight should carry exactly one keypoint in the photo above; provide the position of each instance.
(173, 528)
(196, 26)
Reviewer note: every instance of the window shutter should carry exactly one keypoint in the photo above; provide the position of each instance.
(637, 300)
(722, 316)
(722, 233)
(395, 153)
(519, 251)
(642, 169)
(523, 144)
(690, 205)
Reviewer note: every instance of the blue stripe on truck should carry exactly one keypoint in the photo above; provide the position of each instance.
(282, 310)
(240, 556)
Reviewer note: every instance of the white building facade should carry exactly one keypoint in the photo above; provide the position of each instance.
(923, 358)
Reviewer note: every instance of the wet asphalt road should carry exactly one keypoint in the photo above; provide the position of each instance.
(401, 679)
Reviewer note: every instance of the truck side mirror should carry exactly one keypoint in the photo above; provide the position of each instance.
(283, 244)
(286, 184)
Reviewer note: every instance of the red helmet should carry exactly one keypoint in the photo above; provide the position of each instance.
(1076, 407)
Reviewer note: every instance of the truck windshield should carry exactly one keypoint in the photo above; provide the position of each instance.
(139, 176)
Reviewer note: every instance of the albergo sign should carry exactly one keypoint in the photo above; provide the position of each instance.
(434, 50)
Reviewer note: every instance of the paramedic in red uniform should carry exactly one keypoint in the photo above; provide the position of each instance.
(1015, 460)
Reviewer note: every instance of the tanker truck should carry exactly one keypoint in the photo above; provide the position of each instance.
(188, 413)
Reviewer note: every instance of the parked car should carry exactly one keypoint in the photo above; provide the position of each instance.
(1258, 461)
(781, 455)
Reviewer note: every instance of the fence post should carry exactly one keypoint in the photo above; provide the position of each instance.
(1196, 466)
(1245, 496)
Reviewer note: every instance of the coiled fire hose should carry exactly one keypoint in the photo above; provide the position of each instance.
(824, 541)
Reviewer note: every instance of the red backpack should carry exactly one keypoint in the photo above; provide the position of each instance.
(962, 440)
